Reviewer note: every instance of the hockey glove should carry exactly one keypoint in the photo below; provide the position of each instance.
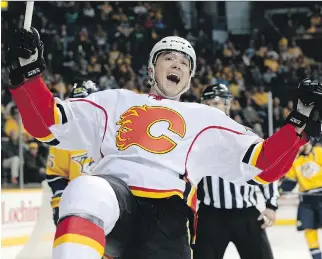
(308, 108)
(27, 45)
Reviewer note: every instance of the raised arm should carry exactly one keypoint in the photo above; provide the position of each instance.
(231, 153)
(276, 155)
(71, 124)
(241, 158)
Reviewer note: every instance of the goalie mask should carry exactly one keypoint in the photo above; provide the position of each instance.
(178, 50)
(217, 96)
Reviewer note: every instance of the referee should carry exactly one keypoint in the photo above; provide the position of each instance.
(227, 212)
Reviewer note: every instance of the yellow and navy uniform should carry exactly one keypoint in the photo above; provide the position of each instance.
(307, 172)
(62, 167)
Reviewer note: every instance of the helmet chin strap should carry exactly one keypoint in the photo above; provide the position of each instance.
(155, 85)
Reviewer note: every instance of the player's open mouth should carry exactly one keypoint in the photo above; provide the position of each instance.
(173, 78)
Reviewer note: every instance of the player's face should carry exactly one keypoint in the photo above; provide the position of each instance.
(219, 103)
(172, 73)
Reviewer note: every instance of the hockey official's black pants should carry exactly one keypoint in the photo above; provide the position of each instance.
(218, 227)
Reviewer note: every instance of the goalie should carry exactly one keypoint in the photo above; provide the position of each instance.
(63, 165)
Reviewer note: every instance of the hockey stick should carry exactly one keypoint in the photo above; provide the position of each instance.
(27, 25)
(28, 15)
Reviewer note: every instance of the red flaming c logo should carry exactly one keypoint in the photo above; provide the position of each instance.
(135, 128)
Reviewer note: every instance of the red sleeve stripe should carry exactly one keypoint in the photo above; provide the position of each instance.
(80, 226)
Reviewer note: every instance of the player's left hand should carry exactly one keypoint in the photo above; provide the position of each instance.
(268, 216)
(308, 113)
(27, 45)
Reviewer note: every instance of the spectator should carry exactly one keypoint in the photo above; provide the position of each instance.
(71, 16)
(229, 50)
(238, 119)
(94, 67)
(140, 9)
(283, 49)
(58, 85)
(11, 127)
(278, 116)
(88, 13)
(287, 110)
(34, 166)
(234, 88)
(260, 97)
(250, 116)
(101, 39)
(108, 82)
(250, 52)
(271, 53)
(254, 75)
(269, 76)
(294, 50)
(106, 9)
(257, 128)
(10, 157)
(235, 106)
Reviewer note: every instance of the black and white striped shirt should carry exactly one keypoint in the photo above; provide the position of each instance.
(219, 193)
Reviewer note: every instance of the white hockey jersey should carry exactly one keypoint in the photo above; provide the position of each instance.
(159, 147)
(155, 145)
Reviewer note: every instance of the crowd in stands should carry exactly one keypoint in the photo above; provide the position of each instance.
(302, 24)
(109, 43)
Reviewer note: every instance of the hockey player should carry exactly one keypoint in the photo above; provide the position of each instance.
(150, 151)
(307, 172)
(227, 212)
(64, 166)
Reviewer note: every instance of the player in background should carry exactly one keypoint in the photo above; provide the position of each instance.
(227, 212)
(64, 166)
(150, 151)
(307, 173)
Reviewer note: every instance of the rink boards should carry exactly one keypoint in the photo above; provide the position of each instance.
(20, 211)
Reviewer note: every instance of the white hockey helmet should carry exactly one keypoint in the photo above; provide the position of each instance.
(171, 43)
